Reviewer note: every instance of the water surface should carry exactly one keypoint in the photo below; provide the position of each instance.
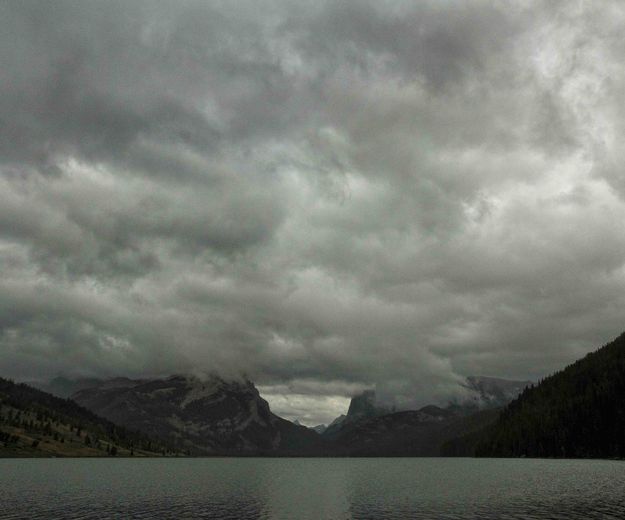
(245, 489)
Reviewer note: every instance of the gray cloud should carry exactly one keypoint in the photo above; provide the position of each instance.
(326, 197)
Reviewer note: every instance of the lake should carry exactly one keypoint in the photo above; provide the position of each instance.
(320, 488)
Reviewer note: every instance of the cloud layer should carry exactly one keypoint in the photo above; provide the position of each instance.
(325, 197)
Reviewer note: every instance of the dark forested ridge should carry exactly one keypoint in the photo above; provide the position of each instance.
(35, 423)
(577, 412)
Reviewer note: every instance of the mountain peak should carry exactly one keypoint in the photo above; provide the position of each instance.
(365, 404)
(207, 415)
(486, 391)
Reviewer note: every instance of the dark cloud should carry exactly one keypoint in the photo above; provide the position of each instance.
(426, 42)
(327, 197)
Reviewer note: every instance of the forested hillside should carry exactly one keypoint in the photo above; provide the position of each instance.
(35, 423)
(577, 412)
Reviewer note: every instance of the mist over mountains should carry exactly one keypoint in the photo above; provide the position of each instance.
(574, 412)
(216, 416)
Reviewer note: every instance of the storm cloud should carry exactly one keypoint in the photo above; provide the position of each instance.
(324, 196)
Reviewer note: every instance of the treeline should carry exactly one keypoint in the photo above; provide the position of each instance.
(578, 412)
(43, 415)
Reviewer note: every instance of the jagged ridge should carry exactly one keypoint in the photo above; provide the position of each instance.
(209, 416)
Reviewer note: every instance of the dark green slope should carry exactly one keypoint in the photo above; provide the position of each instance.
(37, 424)
(577, 412)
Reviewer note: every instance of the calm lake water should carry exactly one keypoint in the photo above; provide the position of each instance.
(311, 488)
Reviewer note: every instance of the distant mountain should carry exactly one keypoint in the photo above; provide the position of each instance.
(334, 426)
(482, 393)
(64, 387)
(215, 416)
(320, 428)
(365, 405)
(414, 433)
(35, 423)
(492, 392)
(362, 406)
(371, 429)
(212, 416)
(577, 412)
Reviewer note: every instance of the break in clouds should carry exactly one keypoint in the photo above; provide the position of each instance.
(325, 196)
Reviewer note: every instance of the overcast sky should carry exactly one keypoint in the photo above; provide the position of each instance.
(325, 196)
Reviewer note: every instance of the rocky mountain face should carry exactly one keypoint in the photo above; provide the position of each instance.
(362, 406)
(415, 433)
(492, 392)
(371, 429)
(482, 393)
(221, 417)
(211, 416)
(365, 405)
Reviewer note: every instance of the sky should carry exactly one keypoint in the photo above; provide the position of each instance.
(322, 196)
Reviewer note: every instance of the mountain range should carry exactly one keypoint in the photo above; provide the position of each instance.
(209, 416)
(371, 428)
(215, 416)
(577, 412)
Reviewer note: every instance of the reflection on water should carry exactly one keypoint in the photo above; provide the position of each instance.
(245, 489)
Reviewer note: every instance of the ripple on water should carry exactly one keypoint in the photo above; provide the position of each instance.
(359, 489)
